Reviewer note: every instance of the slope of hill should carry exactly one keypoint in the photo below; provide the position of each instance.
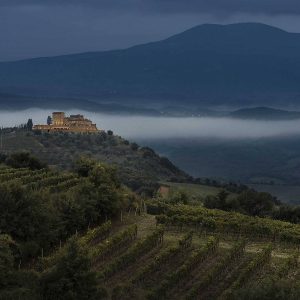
(265, 113)
(140, 260)
(17, 102)
(79, 236)
(135, 164)
(239, 63)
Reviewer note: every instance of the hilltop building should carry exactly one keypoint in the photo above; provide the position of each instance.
(74, 123)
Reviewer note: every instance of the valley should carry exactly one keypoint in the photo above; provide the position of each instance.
(158, 171)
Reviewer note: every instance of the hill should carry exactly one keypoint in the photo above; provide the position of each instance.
(258, 160)
(231, 64)
(137, 165)
(265, 113)
(82, 234)
(16, 102)
(171, 252)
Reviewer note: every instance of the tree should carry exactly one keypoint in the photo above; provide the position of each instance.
(14, 284)
(84, 165)
(179, 197)
(98, 196)
(107, 188)
(220, 201)
(26, 217)
(49, 120)
(134, 146)
(256, 203)
(6, 260)
(110, 132)
(71, 278)
(24, 160)
(29, 124)
(3, 157)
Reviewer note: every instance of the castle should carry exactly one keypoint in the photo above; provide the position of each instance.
(60, 123)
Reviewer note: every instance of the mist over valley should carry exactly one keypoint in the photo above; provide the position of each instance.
(147, 127)
(248, 151)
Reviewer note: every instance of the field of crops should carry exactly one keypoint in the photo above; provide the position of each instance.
(141, 259)
(174, 251)
(39, 179)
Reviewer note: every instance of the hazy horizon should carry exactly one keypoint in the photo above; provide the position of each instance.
(137, 127)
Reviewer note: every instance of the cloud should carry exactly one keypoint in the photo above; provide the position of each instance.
(268, 7)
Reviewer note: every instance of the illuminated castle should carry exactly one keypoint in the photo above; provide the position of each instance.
(60, 123)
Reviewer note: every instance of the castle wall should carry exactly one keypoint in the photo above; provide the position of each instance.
(74, 123)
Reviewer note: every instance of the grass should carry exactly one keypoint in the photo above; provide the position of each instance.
(196, 192)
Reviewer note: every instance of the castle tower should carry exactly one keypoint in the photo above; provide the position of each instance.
(58, 118)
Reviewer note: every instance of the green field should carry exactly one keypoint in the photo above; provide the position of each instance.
(195, 192)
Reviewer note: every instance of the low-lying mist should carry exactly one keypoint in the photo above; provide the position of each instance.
(167, 127)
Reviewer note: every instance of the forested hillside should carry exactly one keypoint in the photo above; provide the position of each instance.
(137, 166)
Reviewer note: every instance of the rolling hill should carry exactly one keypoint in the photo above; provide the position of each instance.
(137, 165)
(264, 113)
(215, 64)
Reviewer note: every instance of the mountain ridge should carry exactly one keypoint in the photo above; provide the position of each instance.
(211, 64)
(264, 113)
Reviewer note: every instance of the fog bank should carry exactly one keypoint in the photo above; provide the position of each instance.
(161, 127)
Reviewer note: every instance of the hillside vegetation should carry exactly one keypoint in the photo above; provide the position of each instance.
(155, 250)
(273, 160)
(82, 234)
(136, 165)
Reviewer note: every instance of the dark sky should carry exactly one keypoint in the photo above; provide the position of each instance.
(32, 28)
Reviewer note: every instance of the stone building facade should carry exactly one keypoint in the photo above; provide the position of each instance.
(73, 123)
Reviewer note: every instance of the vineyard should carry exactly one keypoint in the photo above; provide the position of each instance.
(39, 179)
(140, 258)
(163, 251)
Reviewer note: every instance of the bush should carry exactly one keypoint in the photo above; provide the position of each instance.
(24, 160)
(134, 146)
(71, 278)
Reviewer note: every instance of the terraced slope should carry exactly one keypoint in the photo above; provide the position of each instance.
(139, 259)
(39, 179)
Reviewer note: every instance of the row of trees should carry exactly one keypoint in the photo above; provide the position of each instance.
(254, 203)
(213, 220)
(70, 278)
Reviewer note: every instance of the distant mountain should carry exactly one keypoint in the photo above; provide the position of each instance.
(265, 113)
(16, 102)
(216, 64)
